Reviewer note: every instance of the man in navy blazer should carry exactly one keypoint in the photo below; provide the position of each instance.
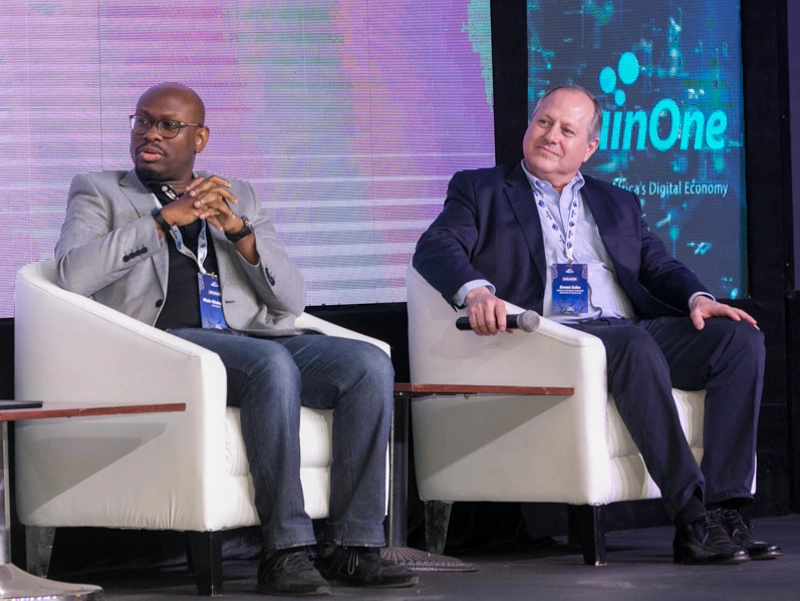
(545, 237)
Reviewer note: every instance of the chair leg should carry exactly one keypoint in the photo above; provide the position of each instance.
(205, 559)
(38, 550)
(587, 528)
(437, 519)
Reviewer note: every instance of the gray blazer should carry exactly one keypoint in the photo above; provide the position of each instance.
(110, 250)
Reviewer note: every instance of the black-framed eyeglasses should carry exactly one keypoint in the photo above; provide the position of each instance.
(167, 128)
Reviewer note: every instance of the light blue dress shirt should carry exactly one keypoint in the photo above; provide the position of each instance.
(606, 297)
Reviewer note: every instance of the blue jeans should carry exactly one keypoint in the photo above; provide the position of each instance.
(269, 379)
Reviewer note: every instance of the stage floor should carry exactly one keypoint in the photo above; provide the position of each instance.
(639, 568)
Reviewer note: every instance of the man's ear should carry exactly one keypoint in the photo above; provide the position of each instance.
(201, 139)
(591, 148)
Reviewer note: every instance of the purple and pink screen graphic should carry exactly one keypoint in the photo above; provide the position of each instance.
(348, 117)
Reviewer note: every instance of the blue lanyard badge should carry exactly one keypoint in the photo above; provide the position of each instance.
(211, 313)
(570, 289)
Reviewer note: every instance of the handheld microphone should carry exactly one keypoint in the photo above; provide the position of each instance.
(527, 321)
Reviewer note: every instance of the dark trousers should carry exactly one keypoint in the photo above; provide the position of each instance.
(646, 358)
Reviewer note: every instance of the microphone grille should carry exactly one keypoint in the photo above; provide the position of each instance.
(528, 321)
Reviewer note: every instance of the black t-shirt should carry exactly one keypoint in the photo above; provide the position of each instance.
(182, 306)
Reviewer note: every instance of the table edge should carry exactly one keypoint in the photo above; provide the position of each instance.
(77, 409)
(417, 388)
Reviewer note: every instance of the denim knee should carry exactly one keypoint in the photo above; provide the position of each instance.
(372, 367)
(270, 373)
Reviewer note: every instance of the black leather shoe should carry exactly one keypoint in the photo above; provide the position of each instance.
(290, 572)
(362, 566)
(742, 535)
(706, 541)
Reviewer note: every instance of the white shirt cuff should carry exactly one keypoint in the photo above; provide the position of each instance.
(696, 294)
(459, 297)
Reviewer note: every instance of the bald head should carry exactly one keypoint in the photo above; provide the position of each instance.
(180, 92)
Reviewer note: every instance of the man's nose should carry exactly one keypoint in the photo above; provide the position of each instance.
(152, 133)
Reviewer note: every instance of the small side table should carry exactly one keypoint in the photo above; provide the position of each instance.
(16, 583)
(404, 392)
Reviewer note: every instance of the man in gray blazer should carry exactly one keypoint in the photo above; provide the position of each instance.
(195, 254)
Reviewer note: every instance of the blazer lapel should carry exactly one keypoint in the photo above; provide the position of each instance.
(142, 200)
(598, 202)
(623, 250)
(520, 198)
(604, 209)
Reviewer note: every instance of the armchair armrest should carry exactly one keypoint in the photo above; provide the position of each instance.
(553, 355)
(69, 348)
(306, 320)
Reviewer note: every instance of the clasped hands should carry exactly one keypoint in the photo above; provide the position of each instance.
(205, 198)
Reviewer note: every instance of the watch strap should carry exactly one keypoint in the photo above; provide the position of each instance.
(242, 233)
(159, 218)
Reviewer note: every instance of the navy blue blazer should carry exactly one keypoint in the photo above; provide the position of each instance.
(490, 229)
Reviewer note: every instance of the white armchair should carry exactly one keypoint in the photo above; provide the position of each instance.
(166, 471)
(568, 449)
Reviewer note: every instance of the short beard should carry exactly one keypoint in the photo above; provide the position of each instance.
(148, 176)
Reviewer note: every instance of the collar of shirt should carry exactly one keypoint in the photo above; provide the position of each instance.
(545, 188)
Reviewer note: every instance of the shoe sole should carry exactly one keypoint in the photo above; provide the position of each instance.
(413, 582)
(319, 591)
(727, 562)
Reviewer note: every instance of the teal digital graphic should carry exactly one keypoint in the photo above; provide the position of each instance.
(668, 77)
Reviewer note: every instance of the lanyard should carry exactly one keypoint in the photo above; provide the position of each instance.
(572, 223)
(202, 239)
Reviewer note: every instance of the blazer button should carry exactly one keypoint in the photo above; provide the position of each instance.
(159, 302)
